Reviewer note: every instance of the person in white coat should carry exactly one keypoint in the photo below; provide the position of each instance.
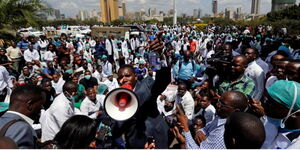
(92, 105)
(181, 96)
(111, 83)
(60, 110)
(110, 47)
(57, 83)
(120, 55)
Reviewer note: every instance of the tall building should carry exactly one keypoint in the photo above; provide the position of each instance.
(255, 7)
(238, 14)
(282, 4)
(109, 10)
(124, 8)
(197, 13)
(215, 8)
(83, 15)
(228, 13)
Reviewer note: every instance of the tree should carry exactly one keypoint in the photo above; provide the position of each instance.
(16, 13)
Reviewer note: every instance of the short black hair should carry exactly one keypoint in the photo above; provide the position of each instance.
(202, 118)
(127, 66)
(247, 130)
(25, 93)
(67, 85)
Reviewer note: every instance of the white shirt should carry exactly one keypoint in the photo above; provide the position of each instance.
(4, 79)
(209, 114)
(263, 65)
(52, 120)
(43, 44)
(89, 108)
(110, 46)
(111, 84)
(99, 76)
(58, 86)
(29, 56)
(106, 68)
(13, 53)
(49, 56)
(255, 72)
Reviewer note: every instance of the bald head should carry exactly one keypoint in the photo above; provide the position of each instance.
(293, 70)
(242, 59)
(238, 99)
(187, 55)
(243, 131)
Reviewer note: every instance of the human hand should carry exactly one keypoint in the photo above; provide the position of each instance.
(149, 146)
(256, 107)
(199, 137)
(182, 118)
(178, 135)
(162, 97)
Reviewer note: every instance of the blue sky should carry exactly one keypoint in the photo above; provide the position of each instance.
(72, 7)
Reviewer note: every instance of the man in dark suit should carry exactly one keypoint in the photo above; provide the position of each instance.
(26, 103)
(147, 120)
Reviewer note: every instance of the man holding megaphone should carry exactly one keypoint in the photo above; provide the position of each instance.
(146, 120)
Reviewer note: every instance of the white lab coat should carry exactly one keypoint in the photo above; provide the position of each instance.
(52, 120)
(111, 84)
(58, 86)
(89, 108)
(109, 47)
(116, 56)
(255, 72)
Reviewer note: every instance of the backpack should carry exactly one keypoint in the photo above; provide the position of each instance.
(180, 64)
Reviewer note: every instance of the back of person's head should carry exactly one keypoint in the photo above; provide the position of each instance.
(69, 85)
(76, 133)
(31, 95)
(244, 131)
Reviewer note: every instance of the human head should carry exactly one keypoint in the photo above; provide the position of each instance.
(204, 99)
(91, 94)
(243, 131)
(26, 71)
(292, 71)
(231, 101)
(227, 48)
(239, 65)
(282, 102)
(186, 56)
(251, 54)
(99, 68)
(279, 69)
(126, 75)
(182, 88)
(87, 75)
(198, 123)
(46, 84)
(56, 77)
(70, 89)
(27, 100)
(78, 132)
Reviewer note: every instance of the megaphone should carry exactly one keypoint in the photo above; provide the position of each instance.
(121, 104)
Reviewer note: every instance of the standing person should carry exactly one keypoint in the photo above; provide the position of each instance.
(255, 72)
(60, 110)
(185, 70)
(229, 103)
(26, 103)
(15, 55)
(110, 47)
(120, 55)
(147, 120)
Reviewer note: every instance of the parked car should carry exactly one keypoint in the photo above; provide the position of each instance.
(30, 32)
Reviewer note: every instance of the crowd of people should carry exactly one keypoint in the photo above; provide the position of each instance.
(222, 87)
